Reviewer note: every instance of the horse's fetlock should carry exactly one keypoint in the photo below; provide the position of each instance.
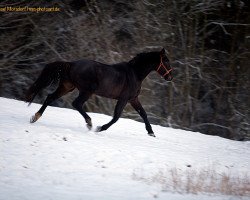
(151, 134)
(35, 117)
(89, 126)
(88, 121)
(98, 129)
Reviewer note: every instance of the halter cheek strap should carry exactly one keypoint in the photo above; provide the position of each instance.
(164, 67)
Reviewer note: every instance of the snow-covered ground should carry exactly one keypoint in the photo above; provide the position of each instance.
(58, 158)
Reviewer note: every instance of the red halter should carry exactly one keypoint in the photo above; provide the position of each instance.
(164, 67)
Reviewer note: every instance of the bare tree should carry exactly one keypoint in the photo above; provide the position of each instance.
(207, 43)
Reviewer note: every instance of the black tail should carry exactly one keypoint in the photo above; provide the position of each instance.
(51, 73)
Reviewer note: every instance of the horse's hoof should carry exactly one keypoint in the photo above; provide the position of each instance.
(151, 134)
(35, 117)
(98, 129)
(89, 123)
(32, 119)
(89, 126)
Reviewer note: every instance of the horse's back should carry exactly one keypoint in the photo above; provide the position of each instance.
(104, 80)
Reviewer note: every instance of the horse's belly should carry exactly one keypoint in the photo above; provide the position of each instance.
(109, 92)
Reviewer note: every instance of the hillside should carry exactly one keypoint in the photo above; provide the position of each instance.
(58, 158)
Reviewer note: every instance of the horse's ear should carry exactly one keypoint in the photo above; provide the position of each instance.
(162, 52)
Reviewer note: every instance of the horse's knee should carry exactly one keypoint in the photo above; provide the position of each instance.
(75, 104)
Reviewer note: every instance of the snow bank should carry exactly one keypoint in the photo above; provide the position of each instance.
(58, 158)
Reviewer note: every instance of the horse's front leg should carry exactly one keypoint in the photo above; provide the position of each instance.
(138, 107)
(117, 113)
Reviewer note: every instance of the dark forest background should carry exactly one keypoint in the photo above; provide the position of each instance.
(208, 44)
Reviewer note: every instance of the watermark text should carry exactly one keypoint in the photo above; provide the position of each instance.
(29, 9)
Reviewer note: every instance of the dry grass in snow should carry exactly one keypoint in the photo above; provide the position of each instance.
(198, 181)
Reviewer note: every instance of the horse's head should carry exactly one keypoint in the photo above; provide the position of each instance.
(164, 68)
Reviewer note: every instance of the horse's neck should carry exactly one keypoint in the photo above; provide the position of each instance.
(144, 63)
(142, 70)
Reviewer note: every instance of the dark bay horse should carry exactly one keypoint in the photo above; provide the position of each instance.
(120, 81)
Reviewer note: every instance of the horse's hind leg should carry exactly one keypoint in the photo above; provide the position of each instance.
(78, 105)
(63, 88)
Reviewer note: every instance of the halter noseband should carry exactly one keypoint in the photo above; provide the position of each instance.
(164, 67)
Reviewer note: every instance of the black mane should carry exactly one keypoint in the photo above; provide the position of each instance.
(145, 58)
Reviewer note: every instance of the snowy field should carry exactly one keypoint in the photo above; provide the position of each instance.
(57, 158)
